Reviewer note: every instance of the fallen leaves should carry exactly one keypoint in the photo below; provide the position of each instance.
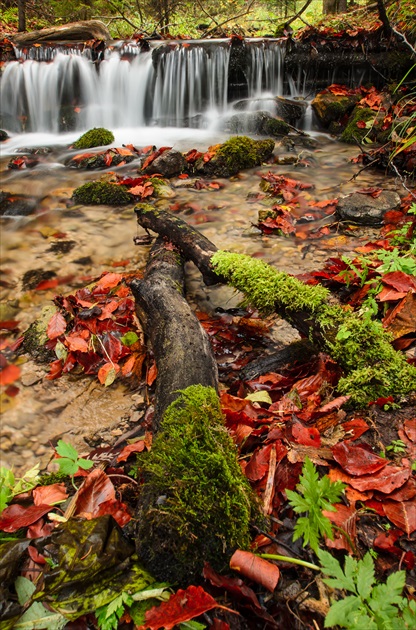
(255, 568)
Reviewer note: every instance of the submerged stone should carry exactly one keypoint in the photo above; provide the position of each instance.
(365, 209)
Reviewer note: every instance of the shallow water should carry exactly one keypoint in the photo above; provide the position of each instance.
(99, 237)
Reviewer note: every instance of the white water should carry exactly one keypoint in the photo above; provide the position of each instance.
(188, 89)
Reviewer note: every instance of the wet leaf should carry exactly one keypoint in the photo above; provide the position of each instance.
(182, 606)
(48, 495)
(137, 447)
(16, 516)
(96, 489)
(9, 374)
(357, 460)
(107, 374)
(386, 480)
(402, 514)
(255, 568)
(232, 585)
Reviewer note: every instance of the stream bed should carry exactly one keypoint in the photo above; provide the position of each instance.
(78, 243)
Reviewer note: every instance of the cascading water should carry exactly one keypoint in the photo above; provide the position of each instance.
(180, 85)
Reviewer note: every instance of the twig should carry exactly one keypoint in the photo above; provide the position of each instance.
(299, 13)
(235, 17)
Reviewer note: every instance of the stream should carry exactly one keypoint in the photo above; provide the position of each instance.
(78, 243)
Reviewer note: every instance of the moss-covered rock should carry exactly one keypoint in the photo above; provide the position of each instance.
(196, 503)
(96, 193)
(276, 127)
(373, 368)
(96, 137)
(35, 337)
(236, 154)
(355, 133)
(331, 108)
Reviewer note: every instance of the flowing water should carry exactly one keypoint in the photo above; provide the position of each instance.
(78, 243)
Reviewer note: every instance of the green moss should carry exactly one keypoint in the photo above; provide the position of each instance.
(265, 287)
(352, 133)
(95, 193)
(276, 127)
(196, 503)
(240, 152)
(373, 368)
(35, 336)
(96, 137)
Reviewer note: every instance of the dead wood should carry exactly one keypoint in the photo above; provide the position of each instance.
(181, 347)
(296, 353)
(73, 32)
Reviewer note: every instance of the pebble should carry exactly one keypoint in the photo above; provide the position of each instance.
(27, 454)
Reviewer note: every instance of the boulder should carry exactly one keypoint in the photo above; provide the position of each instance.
(289, 110)
(168, 164)
(331, 108)
(234, 155)
(3, 135)
(12, 205)
(257, 123)
(73, 32)
(367, 210)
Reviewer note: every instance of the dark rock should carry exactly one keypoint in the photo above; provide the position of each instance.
(33, 277)
(257, 123)
(73, 32)
(365, 209)
(169, 164)
(289, 110)
(62, 247)
(331, 108)
(234, 155)
(3, 135)
(16, 205)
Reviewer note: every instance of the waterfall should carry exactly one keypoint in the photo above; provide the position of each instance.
(175, 84)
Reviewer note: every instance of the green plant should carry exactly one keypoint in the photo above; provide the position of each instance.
(108, 616)
(313, 496)
(396, 447)
(404, 129)
(69, 461)
(10, 485)
(371, 605)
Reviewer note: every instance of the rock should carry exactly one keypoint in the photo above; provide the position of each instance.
(330, 108)
(234, 155)
(366, 210)
(96, 137)
(3, 135)
(168, 164)
(257, 123)
(288, 109)
(73, 32)
(97, 193)
(355, 131)
(16, 205)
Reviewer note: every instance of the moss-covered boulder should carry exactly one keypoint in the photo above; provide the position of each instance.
(196, 504)
(105, 193)
(330, 108)
(259, 123)
(363, 123)
(97, 137)
(236, 154)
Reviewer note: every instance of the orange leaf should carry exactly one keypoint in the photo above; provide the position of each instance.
(137, 447)
(108, 158)
(255, 568)
(48, 495)
(109, 281)
(105, 375)
(56, 326)
(76, 342)
(9, 374)
(122, 151)
(151, 375)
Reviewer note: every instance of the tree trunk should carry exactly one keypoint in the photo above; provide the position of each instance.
(334, 6)
(21, 5)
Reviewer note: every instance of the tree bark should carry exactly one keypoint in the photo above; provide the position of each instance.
(21, 7)
(180, 345)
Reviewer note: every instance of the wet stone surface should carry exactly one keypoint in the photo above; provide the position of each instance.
(75, 244)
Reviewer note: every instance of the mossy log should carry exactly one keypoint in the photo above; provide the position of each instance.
(181, 347)
(372, 368)
(195, 504)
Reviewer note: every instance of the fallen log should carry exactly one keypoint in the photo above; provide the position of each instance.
(195, 505)
(372, 368)
(181, 347)
(73, 32)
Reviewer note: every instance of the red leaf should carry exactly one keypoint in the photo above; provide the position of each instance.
(47, 284)
(117, 509)
(105, 369)
(361, 124)
(108, 158)
(409, 427)
(400, 281)
(255, 568)
(355, 428)
(55, 369)
(373, 192)
(137, 447)
(356, 460)
(9, 374)
(259, 463)
(235, 586)
(151, 375)
(97, 489)
(402, 514)
(48, 495)
(109, 281)
(386, 480)
(308, 436)
(56, 326)
(35, 555)
(16, 516)
(181, 607)
(76, 342)
(345, 517)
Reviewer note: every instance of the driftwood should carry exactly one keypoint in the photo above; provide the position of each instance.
(73, 32)
(181, 347)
